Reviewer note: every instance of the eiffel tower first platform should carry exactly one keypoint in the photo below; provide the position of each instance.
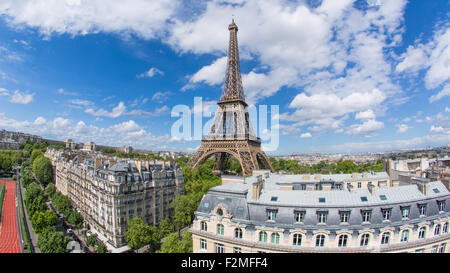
(232, 132)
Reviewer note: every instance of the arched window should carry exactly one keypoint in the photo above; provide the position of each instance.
(204, 226)
(275, 238)
(445, 228)
(422, 231)
(437, 229)
(263, 236)
(364, 240)
(297, 240)
(385, 238)
(405, 235)
(219, 229)
(320, 240)
(238, 233)
(342, 242)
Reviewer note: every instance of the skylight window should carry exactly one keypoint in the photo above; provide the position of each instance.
(383, 197)
(206, 204)
(436, 190)
(364, 198)
(274, 199)
(321, 199)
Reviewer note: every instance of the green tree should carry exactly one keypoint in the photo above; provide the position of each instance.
(43, 170)
(75, 218)
(91, 240)
(101, 248)
(166, 227)
(50, 190)
(50, 241)
(173, 243)
(35, 154)
(42, 220)
(27, 177)
(140, 234)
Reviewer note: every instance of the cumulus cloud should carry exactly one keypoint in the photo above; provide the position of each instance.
(124, 133)
(403, 128)
(306, 135)
(114, 113)
(367, 128)
(161, 97)
(20, 97)
(150, 73)
(210, 74)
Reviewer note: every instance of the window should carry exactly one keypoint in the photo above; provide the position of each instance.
(220, 248)
(345, 216)
(274, 198)
(237, 250)
(263, 236)
(437, 230)
(203, 245)
(364, 198)
(422, 231)
(297, 240)
(238, 233)
(342, 241)
(405, 212)
(420, 250)
(204, 226)
(441, 206)
(366, 215)
(320, 240)
(271, 215)
(359, 185)
(385, 238)
(275, 238)
(405, 235)
(219, 212)
(206, 205)
(386, 214)
(299, 216)
(321, 200)
(364, 240)
(422, 209)
(383, 197)
(436, 190)
(442, 248)
(445, 228)
(219, 229)
(434, 249)
(321, 217)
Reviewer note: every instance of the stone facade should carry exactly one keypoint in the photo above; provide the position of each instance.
(263, 214)
(109, 191)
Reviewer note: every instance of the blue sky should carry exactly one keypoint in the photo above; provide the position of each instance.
(348, 76)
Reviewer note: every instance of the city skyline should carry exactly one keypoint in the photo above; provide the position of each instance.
(348, 76)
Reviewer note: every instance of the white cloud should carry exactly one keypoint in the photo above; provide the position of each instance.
(116, 111)
(306, 135)
(447, 110)
(143, 18)
(64, 92)
(437, 129)
(367, 128)
(365, 115)
(150, 73)
(161, 97)
(125, 133)
(21, 98)
(211, 74)
(403, 128)
(443, 93)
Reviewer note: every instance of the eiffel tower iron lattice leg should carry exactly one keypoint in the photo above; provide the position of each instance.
(232, 132)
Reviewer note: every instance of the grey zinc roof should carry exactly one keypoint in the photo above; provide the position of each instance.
(344, 198)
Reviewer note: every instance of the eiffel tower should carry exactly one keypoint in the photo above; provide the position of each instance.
(232, 133)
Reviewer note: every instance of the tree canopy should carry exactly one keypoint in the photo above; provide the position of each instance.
(140, 234)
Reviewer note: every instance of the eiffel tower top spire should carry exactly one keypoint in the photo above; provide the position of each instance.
(232, 89)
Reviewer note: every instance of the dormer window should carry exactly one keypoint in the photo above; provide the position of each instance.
(271, 215)
(219, 212)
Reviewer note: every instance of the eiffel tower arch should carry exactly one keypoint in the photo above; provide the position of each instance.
(232, 133)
